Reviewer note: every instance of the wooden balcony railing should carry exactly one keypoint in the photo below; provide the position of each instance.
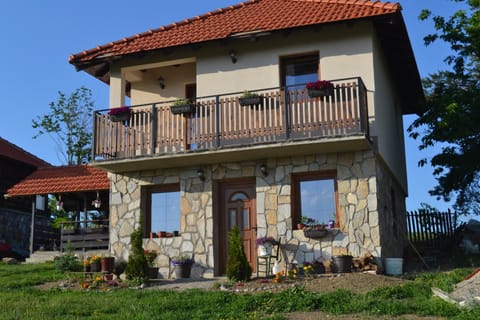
(219, 122)
(84, 235)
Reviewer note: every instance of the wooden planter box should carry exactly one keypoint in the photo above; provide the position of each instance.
(183, 109)
(251, 101)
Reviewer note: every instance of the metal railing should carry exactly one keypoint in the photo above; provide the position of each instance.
(220, 122)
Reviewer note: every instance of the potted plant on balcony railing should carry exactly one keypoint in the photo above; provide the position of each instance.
(119, 114)
(182, 106)
(250, 99)
(321, 88)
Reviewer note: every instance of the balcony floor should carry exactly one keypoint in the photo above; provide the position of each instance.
(238, 154)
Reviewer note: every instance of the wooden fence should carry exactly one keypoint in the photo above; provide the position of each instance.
(430, 227)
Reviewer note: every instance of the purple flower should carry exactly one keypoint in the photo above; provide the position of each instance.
(263, 240)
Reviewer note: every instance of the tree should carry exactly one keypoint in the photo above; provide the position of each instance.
(137, 264)
(237, 264)
(452, 113)
(69, 123)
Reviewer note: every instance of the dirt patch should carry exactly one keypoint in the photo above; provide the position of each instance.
(357, 282)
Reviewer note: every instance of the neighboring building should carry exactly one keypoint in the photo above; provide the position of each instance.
(80, 189)
(15, 215)
(262, 166)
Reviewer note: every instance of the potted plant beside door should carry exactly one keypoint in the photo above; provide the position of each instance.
(265, 245)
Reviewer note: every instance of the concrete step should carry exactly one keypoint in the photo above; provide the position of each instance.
(44, 256)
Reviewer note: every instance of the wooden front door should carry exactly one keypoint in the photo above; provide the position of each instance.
(237, 207)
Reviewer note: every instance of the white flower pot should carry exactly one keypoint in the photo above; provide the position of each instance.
(264, 249)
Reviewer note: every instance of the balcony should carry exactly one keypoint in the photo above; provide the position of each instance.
(220, 125)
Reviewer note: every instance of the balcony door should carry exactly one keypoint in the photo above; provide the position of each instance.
(299, 69)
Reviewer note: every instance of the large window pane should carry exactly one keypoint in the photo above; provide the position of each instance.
(318, 199)
(315, 197)
(165, 211)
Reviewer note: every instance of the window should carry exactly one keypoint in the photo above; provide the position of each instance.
(163, 208)
(315, 197)
(299, 70)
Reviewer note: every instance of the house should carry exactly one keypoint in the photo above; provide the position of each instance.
(210, 164)
(15, 217)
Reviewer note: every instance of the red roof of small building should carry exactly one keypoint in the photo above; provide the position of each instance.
(14, 152)
(64, 179)
(245, 17)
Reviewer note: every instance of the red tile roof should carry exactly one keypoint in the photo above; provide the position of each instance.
(250, 16)
(11, 151)
(65, 179)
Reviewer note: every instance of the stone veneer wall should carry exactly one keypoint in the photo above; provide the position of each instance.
(358, 189)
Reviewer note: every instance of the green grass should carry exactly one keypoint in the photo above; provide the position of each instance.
(20, 300)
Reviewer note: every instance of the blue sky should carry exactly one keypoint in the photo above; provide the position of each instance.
(38, 37)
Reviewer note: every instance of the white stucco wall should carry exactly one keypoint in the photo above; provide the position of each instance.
(345, 51)
(388, 120)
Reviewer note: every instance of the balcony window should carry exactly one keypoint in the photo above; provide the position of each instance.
(163, 208)
(315, 197)
(299, 69)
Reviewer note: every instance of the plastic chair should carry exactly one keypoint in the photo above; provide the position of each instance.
(266, 261)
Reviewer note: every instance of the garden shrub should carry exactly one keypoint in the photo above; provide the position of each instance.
(237, 264)
(68, 261)
(137, 267)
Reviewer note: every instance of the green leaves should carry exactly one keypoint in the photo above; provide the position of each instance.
(452, 114)
(69, 124)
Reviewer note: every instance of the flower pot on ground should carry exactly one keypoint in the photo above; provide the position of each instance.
(119, 114)
(108, 264)
(150, 256)
(95, 265)
(183, 266)
(152, 272)
(342, 263)
(320, 88)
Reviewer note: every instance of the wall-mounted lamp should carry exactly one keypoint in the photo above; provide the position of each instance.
(201, 175)
(161, 82)
(264, 170)
(97, 202)
(233, 56)
(59, 203)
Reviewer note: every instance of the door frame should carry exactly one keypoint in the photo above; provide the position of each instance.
(219, 232)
